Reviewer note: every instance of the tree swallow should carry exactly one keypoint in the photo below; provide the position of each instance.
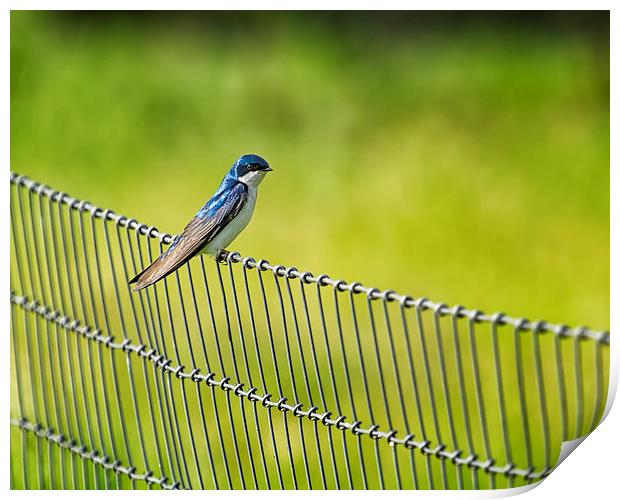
(216, 224)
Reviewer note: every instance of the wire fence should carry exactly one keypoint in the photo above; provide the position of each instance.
(244, 374)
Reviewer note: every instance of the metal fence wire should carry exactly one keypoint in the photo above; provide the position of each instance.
(244, 374)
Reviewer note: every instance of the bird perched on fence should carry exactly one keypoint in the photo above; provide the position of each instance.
(216, 224)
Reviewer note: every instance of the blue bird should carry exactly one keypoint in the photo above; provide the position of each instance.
(216, 224)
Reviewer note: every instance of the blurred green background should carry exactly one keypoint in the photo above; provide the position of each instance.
(459, 156)
(463, 157)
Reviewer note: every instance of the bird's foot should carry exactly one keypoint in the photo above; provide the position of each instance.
(222, 256)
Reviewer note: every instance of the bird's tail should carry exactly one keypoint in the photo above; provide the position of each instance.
(139, 282)
(152, 274)
(159, 269)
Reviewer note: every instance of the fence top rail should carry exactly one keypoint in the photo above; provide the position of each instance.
(420, 303)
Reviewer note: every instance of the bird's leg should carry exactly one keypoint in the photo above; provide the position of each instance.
(222, 256)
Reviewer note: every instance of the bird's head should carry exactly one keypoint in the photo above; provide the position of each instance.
(250, 169)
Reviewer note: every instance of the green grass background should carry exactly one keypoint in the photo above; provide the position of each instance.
(464, 159)
(460, 157)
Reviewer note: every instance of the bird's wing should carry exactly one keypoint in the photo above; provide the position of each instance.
(205, 226)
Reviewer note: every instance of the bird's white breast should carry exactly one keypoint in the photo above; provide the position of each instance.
(234, 227)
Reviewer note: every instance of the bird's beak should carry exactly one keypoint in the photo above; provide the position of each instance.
(267, 169)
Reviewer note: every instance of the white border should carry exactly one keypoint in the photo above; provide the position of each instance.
(588, 473)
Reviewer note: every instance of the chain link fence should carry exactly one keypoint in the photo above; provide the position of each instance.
(244, 374)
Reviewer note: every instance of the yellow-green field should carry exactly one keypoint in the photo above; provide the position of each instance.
(463, 158)
(468, 163)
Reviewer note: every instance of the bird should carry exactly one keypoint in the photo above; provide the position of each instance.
(215, 225)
